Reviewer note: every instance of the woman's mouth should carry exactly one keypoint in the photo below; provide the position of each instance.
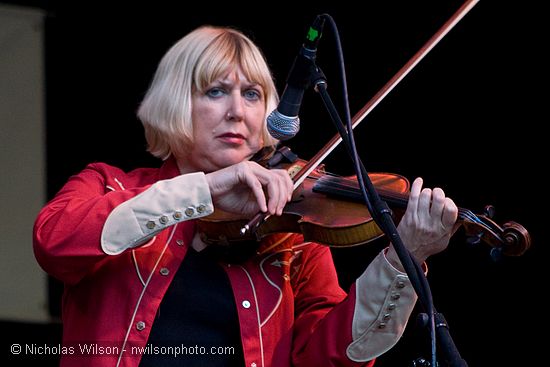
(232, 138)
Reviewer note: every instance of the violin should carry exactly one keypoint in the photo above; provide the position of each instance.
(329, 209)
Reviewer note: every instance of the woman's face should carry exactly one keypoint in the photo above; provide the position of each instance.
(228, 119)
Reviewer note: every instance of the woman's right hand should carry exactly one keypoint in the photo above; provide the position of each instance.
(247, 188)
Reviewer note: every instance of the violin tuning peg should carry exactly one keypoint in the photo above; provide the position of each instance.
(489, 211)
(496, 254)
(474, 239)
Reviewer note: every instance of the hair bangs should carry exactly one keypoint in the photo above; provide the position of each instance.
(228, 51)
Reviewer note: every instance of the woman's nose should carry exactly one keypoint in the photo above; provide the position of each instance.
(235, 110)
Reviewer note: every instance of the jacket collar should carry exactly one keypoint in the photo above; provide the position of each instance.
(169, 169)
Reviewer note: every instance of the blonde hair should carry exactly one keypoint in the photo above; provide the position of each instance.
(193, 63)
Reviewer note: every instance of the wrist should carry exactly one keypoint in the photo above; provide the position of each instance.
(393, 259)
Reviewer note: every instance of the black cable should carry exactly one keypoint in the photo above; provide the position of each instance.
(378, 208)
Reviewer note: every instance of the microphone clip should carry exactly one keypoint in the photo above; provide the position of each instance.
(304, 67)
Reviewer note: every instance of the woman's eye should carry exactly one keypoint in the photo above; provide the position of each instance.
(252, 94)
(214, 92)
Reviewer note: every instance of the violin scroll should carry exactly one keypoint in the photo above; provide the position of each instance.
(510, 239)
(517, 239)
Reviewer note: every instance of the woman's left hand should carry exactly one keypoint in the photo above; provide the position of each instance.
(428, 223)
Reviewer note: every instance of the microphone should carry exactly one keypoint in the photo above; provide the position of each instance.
(283, 123)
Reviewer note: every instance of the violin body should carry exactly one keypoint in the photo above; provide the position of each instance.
(337, 222)
(330, 210)
(321, 218)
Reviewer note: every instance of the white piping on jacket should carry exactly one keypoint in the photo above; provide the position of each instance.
(257, 312)
(274, 285)
(142, 293)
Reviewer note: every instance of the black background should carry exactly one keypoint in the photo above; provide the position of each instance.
(469, 118)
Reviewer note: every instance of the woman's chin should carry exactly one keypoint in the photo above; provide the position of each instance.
(229, 158)
(229, 161)
(217, 159)
(225, 161)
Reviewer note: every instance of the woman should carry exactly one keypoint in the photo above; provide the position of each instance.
(143, 289)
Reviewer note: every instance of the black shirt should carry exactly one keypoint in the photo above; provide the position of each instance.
(197, 318)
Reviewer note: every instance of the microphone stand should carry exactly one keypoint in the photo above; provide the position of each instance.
(382, 215)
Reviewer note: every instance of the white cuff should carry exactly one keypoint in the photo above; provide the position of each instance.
(162, 205)
(385, 299)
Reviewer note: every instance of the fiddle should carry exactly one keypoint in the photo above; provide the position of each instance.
(328, 209)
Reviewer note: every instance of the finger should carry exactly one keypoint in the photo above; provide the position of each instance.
(278, 185)
(438, 202)
(277, 189)
(285, 189)
(412, 205)
(424, 202)
(289, 185)
(450, 214)
(252, 181)
(276, 193)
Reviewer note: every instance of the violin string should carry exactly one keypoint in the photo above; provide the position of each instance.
(331, 182)
(486, 224)
(468, 214)
(348, 186)
(351, 185)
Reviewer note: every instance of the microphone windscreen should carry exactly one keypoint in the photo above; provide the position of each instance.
(282, 127)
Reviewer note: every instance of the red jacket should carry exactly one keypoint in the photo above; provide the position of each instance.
(116, 240)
